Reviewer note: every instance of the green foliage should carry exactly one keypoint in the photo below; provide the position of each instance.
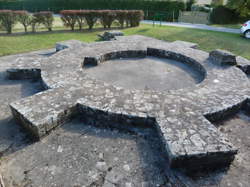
(7, 20)
(242, 7)
(223, 15)
(71, 17)
(217, 3)
(189, 4)
(207, 40)
(24, 18)
(107, 17)
(58, 5)
(45, 17)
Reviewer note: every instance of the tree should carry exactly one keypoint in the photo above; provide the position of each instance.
(24, 18)
(45, 17)
(217, 2)
(7, 20)
(189, 4)
(242, 7)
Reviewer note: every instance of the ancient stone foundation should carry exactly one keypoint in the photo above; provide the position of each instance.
(181, 117)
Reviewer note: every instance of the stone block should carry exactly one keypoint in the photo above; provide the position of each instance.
(222, 57)
(110, 35)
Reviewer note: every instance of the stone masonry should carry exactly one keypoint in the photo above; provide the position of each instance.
(182, 117)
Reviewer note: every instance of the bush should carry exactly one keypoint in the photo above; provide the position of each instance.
(241, 7)
(189, 4)
(91, 17)
(24, 18)
(223, 15)
(134, 17)
(45, 17)
(107, 17)
(121, 16)
(80, 18)
(72, 17)
(58, 5)
(8, 20)
(216, 3)
(69, 18)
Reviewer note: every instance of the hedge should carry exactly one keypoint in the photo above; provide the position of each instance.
(24, 18)
(223, 15)
(72, 17)
(58, 5)
(7, 20)
(44, 17)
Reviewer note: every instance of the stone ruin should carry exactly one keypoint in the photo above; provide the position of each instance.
(183, 118)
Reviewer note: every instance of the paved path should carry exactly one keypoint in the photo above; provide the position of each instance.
(195, 26)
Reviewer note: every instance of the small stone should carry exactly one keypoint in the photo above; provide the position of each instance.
(222, 129)
(128, 184)
(216, 81)
(110, 35)
(102, 166)
(101, 156)
(126, 167)
(59, 149)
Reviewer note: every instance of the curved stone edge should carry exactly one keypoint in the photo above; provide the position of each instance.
(177, 161)
(95, 60)
(157, 52)
(243, 64)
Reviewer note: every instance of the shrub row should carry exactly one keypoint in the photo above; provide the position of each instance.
(224, 15)
(71, 18)
(58, 5)
(9, 18)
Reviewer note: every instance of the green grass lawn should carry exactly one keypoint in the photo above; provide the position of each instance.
(231, 26)
(207, 40)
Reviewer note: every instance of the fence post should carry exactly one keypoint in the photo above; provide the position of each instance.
(180, 15)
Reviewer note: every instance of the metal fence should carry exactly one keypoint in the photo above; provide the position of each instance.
(169, 16)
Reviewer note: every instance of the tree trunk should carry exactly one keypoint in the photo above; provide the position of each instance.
(9, 30)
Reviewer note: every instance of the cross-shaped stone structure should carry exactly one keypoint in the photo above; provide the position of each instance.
(182, 117)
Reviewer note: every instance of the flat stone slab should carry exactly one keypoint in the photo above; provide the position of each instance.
(185, 44)
(182, 117)
(148, 73)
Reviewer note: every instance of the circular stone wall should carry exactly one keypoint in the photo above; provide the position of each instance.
(146, 73)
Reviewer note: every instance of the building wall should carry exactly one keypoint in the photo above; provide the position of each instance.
(205, 1)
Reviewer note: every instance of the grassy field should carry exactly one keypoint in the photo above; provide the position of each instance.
(231, 26)
(207, 40)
